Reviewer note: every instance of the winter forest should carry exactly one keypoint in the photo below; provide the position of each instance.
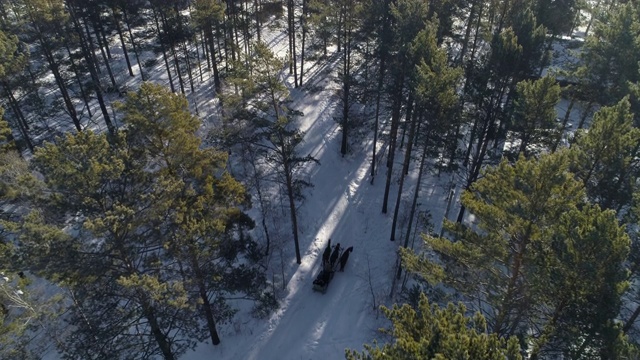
(180, 179)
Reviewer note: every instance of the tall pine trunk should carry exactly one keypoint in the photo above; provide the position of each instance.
(395, 120)
(89, 39)
(196, 44)
(101, 33)
(256, 9)
(23, 127)
(346, 73)
(177, 66)
(414, 202)
(185, 50)
(383, 58)
(93, 70)
(405, 170)
(212, 51)
(164, 51)
(161, 339)
(53, 66)
(116, 20)
(303, 24)
(96, 30)
(292, 41)
(467, 33)
(133, 43)
(565, 121)
(407, 118)
(202, 292)
(292, 209)
(74, 67)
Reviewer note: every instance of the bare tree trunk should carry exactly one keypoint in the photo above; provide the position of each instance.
(565, 121)
(585, 114)
(202, 292)
(198, 59)
(189, 72)
(208, 311)
(377, 117)
(53, 66)
(89, 39)
(205, 49)
(629, 323)
(483, 141)
(104, 38)
(592, 14)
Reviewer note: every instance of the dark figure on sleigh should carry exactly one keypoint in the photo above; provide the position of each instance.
(345, 257)
(335, 255)
(326, 256)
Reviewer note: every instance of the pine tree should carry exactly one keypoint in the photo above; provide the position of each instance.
(554, 15)
(526, 242)
(28, 314)
(430, 332)
(608, 58)
(533, 122)
(12, 62)
(434, 83)
(114, 263)
(489, 88)
(606, 156)
(408, 18)
(206, 231)
(207, 15)
(45, 19)
(165, 217)
(323, 20)
(585, 268)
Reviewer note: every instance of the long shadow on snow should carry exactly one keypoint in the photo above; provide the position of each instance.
(340, 201)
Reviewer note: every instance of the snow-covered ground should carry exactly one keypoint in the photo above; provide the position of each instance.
(342, 206)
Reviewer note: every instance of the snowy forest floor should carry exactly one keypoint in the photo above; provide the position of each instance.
(342, 206)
